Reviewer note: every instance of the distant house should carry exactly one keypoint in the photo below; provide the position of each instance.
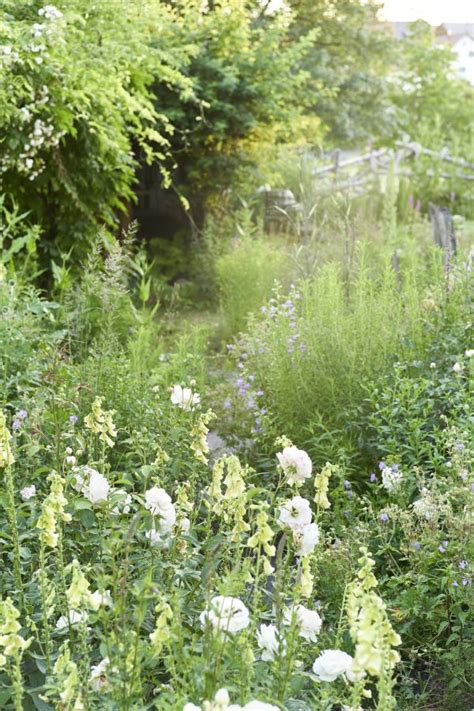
(462, 45)
(459, 36)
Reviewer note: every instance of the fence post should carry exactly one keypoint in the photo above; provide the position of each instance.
(443, 231)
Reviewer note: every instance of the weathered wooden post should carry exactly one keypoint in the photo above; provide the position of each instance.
(443, 231)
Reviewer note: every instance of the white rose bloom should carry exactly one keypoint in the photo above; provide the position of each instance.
(28, 492)
(391, 479)
(97, 488)
(270, 642)
(98, 672)
(331, 663)
(295, 513)
(184, 397)
(159, 503)
(306, 538)
(308, 621)
(227, 614)
(75, 618)
(296, 464)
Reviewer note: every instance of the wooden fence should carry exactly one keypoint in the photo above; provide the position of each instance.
(355, 174)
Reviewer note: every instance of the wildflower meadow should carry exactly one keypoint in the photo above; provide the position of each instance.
(236, 435)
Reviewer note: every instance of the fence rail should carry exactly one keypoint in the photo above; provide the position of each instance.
(356, 172)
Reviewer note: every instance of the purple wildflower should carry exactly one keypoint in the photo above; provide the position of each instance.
(373, 477)
(347, 484)
(381, 465)
(455, 584)
(463, 564)
(417, 546)
(384, 517)
(22, 414)
(73, 419)
(16, 425)
(465, 581)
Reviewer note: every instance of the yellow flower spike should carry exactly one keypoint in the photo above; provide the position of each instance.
(78, 593)
(6, 455)
(321, 485)
(52, 510)
(100, 422)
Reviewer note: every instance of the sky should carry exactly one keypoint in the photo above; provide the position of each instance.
(433, 11)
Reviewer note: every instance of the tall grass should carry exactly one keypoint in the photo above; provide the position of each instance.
(247, 276)
(314, 351)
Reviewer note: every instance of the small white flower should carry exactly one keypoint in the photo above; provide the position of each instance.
(222, 697)
(432, 365)
(50, 12)
(308, 621)
(184, 397)
(296, 464)
(270, 642)
(295, 513)
(306, 538)
(425, 506)
(97, 488)
(457, 367)
(159, 503)
(71, 460)
(391, 478)
(100, 598)
(469, 353)
(124, 502)
(228, 614)
(28, 492)
(185, 525)
(158, 539)
(75, 618)
(98, 674)
(332, 663)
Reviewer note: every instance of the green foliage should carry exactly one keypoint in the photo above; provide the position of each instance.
(247, 276)
(90, 90)
(315, 348)
(347, 65)
(75, 87)
(432, 107)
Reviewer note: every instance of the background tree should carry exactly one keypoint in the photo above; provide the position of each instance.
(348, 63)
